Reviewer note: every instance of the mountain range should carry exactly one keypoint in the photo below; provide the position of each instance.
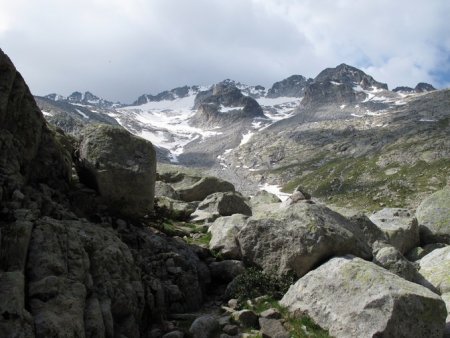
(343, 135)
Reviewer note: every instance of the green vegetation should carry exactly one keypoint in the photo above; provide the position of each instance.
(361, 183)
(201, 239)
(255, 283)
(298, 326)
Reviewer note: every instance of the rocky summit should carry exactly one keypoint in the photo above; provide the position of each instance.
(316, 208)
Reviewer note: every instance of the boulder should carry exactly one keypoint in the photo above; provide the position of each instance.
(272, 328)
(264, 197)
(351, 297)
(177, 209)
(246, 318)
(166, 190)
(201, 189)
(120, 166)
(433, 215)
(298, 238)
(392, 260)
(435, 267)
(224, 231)
(419, 252)
(204, 327)
(367, 230)
(400, 227)
(221, 204)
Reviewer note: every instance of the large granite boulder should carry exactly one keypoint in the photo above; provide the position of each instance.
(297, 238)
(433, 215)
(351, 297)
(120, 166)
(400, 227)
(202, 188)
(224, 231)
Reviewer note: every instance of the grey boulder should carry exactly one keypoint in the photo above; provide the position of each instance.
(298, 238)
(354, 298)
(120, 166)
(203, 187)
(400, 226)
(224, 231)
(433, 215)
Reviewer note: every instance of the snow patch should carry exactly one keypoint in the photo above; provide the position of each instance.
(82, 114)
(246, 138)
(276, 190)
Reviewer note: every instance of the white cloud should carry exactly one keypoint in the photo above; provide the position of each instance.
(123, 48)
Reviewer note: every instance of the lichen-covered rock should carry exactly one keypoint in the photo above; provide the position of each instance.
(297, 238)
(433, 215)
(120, 166)
(435, 267)
(351, 297)
(202, 188)
(177, 209)
(204, 327)
(224, 231)
(400, 226)
(165, 189)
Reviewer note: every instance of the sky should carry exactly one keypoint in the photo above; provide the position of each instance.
(121, 49)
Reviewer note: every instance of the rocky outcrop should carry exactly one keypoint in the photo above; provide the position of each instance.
(224, 104)
(354, 298)
(30, 153)
(423, 87)
(293, 86)
(337, 86)
(433, 215)
(120, 166)
(298, 238)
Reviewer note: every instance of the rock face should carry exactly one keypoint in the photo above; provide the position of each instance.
(400, 226)
(433, 215)
(336, 85)
(298, 238)
(293, 86)
(120, 166)
(354, 298)
(224, 104)
(60, 275)
(29, 151)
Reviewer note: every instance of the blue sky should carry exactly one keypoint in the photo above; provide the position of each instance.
(120, 49)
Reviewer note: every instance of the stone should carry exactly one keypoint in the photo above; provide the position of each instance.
(264, 197)
(392, 260)
(233, 303)
(166, 190)
(221, 204)
(120, 166)
(226, 270)
(272, 328)
(231, 330)
(204, 187)
(204, 327)
(246, 318)
(224, 231)
(351, 297)
(435, 267)
(271, 314)
(433, 215)
(296, 239)
(178, 210)
(366, 229)
(400, 226)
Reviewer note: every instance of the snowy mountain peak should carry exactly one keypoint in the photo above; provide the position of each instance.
(169, 95)
(86, 99)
